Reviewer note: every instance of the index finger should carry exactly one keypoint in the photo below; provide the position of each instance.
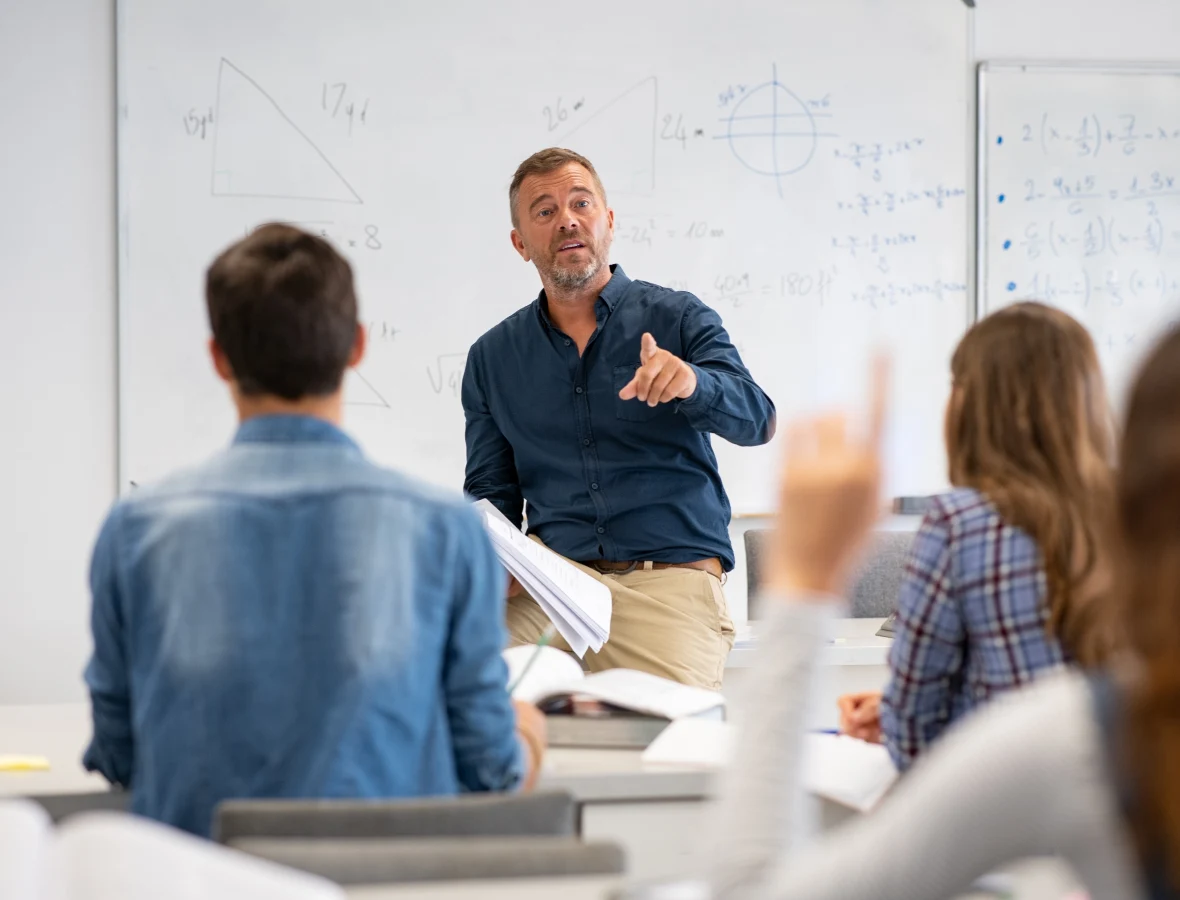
(879, 399)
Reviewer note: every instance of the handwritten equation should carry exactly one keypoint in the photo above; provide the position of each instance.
(868, 157)
(895, 293)
(935, 197)
(1124, 133)
(1085, 286)
(1094, 238)
(446, 375)
(651, 232)
(381, 331)
(739, 289)
(345, 236)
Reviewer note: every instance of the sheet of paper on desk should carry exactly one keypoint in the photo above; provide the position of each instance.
(691, 742)
(837, 767)
(579, 606)
(850, 772)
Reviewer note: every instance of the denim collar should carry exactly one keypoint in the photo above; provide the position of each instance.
(291, 429)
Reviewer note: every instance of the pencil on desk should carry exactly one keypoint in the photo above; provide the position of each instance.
(549, 634)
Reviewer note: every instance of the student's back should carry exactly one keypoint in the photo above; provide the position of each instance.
(287, 619)
(1080, 766)
(1005, 569)
(289, 613)
(972, 621)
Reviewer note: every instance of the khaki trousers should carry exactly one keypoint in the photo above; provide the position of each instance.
(670, 622)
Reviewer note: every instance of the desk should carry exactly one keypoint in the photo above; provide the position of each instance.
(652, 811)
(60, 733)
(658, 813)
(857, 660)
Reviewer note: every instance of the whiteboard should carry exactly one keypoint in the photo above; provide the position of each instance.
(1079, 188)
(802, 167)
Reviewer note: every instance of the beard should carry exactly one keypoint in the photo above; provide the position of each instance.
(572, 279)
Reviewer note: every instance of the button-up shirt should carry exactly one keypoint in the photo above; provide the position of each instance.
(972, 622)
(290, 620)
(606, 478)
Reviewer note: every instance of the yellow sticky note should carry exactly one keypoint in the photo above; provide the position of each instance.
(23, 764)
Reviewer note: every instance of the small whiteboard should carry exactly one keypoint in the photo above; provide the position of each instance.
(1079, 200)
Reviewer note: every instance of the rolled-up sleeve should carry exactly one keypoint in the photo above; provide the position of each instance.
(111, 751)
(727, 401)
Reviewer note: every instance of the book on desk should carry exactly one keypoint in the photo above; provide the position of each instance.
(619, 708)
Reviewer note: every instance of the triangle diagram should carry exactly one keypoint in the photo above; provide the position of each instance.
(620, 139)
(358, 391)
(258, 151)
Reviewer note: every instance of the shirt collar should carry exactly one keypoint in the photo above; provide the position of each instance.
(610, 295)
(290, 429)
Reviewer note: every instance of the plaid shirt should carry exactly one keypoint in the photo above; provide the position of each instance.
(971, 621)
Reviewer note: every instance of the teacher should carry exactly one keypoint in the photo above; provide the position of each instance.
(595, 404)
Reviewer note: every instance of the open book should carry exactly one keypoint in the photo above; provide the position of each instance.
(556, 676)
(578, 606)
(100, 855)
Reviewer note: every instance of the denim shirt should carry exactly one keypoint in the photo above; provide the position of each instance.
(290, 620)
(606, 478)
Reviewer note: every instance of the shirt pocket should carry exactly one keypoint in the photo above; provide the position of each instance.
(633, 410)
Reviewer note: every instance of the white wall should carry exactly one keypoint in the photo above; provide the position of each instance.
(57, 333)
(57, 293)
(1078, 30)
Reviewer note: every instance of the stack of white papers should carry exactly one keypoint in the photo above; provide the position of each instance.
(578, 606)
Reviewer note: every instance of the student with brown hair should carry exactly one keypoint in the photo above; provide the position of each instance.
(1005, 568)
(1085, 767)
(289, 619)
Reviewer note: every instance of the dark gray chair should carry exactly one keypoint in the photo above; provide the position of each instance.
(438, 839)
(875, 586)
(541, 814)
(61, 806)
(377, 861)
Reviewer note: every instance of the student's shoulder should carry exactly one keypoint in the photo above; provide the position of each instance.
(442, 505)
(961, 509)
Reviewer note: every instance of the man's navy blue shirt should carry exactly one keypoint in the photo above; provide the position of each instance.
(606, 478)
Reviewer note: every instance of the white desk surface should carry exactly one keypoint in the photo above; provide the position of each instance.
(61, 732)
(854, 643)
